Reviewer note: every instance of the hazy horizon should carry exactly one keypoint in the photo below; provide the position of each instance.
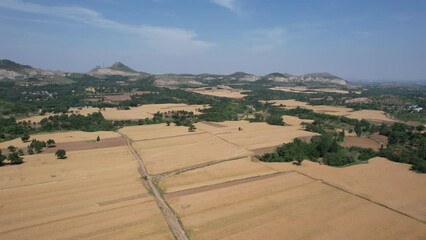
(356, 40)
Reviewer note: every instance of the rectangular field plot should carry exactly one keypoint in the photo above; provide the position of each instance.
(218, 173)
(168, 154)
(256, 135)
(61, 137)
(157, 131)
(381, 180)
(93, 194)
(287, 206)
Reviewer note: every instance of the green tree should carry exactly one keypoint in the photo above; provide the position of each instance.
(358, 130)
(11, 148)
(2, 158)
(192, 128)
(20, 152)
(14, 158)
(30, 150)
(420, 128)
(50, 143)
(61, 154)
(25, 137)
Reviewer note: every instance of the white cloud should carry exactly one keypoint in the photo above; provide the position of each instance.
(265, 40)
(232, 5)
(166, 39)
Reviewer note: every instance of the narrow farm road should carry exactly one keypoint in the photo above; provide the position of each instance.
(168, 214)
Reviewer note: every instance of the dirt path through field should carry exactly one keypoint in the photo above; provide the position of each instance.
(168, 214)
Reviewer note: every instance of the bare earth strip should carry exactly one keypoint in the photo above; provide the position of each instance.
(93, 194)
(289, 206)
(363, 142)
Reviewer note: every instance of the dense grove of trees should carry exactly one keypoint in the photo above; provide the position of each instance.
(90, 123)
(406, 144)
(325, 148)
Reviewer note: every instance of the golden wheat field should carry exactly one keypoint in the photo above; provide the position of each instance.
(212, 181)
(372, 115)
(93, 194)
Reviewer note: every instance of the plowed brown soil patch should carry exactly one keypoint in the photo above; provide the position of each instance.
(86, 145)
(363, 142)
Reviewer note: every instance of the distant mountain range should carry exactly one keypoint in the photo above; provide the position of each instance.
(15, 71)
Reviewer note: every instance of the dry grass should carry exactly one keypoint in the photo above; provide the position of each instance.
(62, 137)
(289, 206)
(256, 135)
(381, 180)
(168, 154)
(218, 173)
(93, 194)
(141, 112)
(372, 115)
(220, 92)
(138, 133)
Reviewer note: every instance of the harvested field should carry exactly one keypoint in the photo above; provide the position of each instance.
(86, 145)
(123, 96)
(288, 206)
(295, 121)
(168, 154)
(381, 180)
(219, 92)
(157, 131)
(255, 135)
(93, 194)
(218, 173)
(371, 115)
(135, 113)
(62, 137)
(301, 89)
(363, 142)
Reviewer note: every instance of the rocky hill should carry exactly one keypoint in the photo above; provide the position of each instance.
(15, 71)
(117, 68)
(310, 77)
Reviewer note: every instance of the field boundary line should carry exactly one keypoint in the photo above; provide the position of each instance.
(226, 184)
(172, 173)
(362, 197)
(159, 138)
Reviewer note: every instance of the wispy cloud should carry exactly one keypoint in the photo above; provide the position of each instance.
(171, 40)
(233, 5)
(265, 40)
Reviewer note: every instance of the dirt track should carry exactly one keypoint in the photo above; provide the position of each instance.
(169, 215)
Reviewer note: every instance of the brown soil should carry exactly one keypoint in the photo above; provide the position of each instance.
(363, 142)
(86, 145)
(219, 185)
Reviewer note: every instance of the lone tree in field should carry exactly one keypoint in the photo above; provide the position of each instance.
(98, 139)
(51, 143)
(61, 154)
(192, 128)
(14, 158)
(25, 137)
(11, 149)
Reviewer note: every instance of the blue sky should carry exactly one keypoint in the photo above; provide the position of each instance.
(359, 39)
